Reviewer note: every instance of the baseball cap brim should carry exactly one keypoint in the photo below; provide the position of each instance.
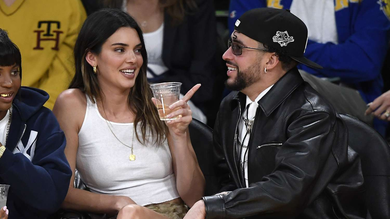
(307, 62)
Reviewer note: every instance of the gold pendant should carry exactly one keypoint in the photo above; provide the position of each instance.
(132, 157)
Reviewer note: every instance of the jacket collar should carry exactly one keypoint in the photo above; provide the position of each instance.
(278, 93)
(31, 100)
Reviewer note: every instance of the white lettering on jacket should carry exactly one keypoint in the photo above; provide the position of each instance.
(28, 150)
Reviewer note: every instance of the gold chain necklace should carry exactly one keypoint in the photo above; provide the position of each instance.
(8, 125)
(132, 155)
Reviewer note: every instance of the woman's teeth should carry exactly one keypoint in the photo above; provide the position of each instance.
(5, 95)
(128, 71)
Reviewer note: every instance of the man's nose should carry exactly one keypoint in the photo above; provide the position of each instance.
(228, 55)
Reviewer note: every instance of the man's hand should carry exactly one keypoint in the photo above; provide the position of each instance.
(380, 107)
(197, 211)
(4, 213)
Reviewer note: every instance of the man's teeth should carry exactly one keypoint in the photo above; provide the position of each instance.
(231, 69)
(5, 95)
(128, 71)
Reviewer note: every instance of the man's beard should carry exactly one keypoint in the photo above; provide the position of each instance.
(245, 78)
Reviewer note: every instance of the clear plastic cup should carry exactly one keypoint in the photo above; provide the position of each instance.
(166, 94)
(3, 194)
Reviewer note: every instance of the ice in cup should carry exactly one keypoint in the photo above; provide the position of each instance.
(3, 194)
(166, 94)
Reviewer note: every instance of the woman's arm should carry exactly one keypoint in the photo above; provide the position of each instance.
(70, 109)
(190, 181)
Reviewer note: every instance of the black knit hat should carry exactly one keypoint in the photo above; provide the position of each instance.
(277, 28)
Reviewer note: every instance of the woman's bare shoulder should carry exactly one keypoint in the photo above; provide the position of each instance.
(70, 100)
(71, 96)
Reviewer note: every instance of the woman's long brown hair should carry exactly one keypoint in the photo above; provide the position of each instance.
(98, 27)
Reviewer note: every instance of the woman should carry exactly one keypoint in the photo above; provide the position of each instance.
(32, 159)
(181, 42)
(123, 152)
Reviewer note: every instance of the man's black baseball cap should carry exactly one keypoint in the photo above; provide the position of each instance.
(277, 28)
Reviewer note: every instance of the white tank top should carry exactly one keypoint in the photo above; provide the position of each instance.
(104, 165)
(154, 48)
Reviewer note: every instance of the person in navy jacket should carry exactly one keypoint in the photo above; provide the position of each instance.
(32, 159)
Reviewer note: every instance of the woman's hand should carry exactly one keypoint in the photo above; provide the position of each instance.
(380, 107)
(184, 113)
(4, 212)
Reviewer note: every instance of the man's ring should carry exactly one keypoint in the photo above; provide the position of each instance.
(387, 113)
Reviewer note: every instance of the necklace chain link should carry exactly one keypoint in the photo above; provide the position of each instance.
(132, 156)
(8, 125)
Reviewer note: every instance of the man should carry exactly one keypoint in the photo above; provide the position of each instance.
(349, 38)
(281, 149)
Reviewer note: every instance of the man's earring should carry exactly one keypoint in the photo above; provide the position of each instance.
(265, 70)
(94, 69)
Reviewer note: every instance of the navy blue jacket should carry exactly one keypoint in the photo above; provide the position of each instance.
(34, 163)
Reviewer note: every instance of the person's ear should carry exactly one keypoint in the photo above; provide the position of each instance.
(91, 59)
(272, 62)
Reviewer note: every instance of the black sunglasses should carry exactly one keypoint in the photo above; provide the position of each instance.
(237, 48)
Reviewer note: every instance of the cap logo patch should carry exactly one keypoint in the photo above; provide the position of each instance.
(238, 22)
(283, 38)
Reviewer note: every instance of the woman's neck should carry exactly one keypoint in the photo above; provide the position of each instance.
(3, 114)
(115, 108)
(9, 2)
(148, 14)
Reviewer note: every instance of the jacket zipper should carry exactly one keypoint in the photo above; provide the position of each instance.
(269, 144)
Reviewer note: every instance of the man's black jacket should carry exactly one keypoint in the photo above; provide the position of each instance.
(299, 163)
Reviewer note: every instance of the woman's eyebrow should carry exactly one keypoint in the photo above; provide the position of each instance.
(119, 44)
